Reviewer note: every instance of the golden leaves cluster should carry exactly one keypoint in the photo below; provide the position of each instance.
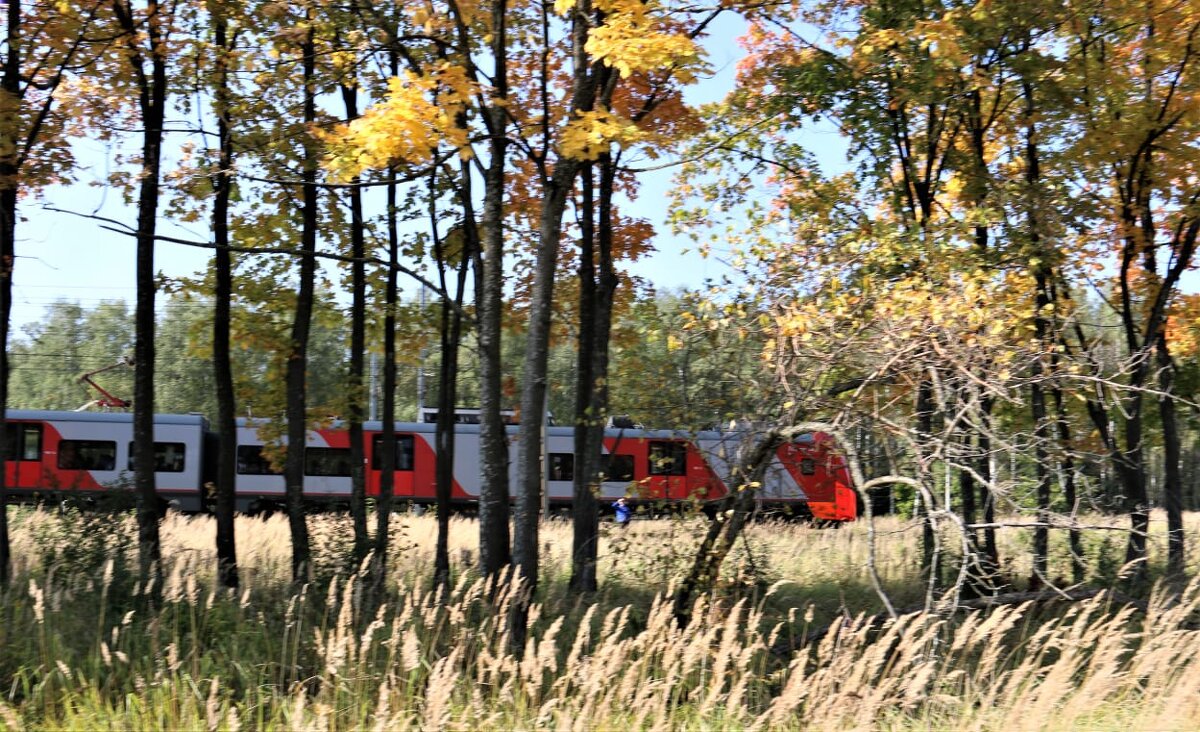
(419, 115)
(589, 134)
(633, 38)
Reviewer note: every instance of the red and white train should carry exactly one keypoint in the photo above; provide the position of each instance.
(81, 454)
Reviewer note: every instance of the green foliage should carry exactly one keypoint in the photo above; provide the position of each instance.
(72, 340)
(674, 366)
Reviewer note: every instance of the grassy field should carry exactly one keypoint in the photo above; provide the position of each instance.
(83, 645)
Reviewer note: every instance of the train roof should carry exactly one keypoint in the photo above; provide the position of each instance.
(47, 415)
(553, 431)
(375, 425)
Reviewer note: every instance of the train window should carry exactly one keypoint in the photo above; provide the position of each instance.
(617, 468)
(168, 457)
(808, 466)
(87, 455)
(327, 461)
(251, 461)
(405, 458)
(668, 458)
(562, 466)
(24, 441)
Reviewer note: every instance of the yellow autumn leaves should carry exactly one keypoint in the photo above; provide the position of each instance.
(899, 323)
(589, 135)
(423, 112)
(419, 114)
(632, 39)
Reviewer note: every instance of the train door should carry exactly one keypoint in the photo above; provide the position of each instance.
(620, 466)
(404, 483)
(23, 468)
(702, 480)
(560, 464)
(667, 469)
(804, 466)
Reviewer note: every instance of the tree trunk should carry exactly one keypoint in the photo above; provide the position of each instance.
(986, 499)
(584, 509)
(222, 182)
(11, 86)
(556, 186)
(1172, 480)
(966, 485)
(979, 187)
(494, 540)
(593, 392)
(533, 398)
(924, 412)
(1132, 473)
(1041, 325)
(358, 341)
(728, 522)
(387, 461)
(152, 96)
(1070, 497)
(1041, 458)
(297, 393)
(451, 331)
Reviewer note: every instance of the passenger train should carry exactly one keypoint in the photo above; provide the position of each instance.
(56, 455)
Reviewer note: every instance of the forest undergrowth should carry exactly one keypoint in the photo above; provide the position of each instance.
(85, 645)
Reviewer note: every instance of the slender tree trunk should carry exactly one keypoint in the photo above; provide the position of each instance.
(1041, 458)
(1070, 496)
(593, 392)
(924, 412)
(387, 462)
(728, 522)
(358, 347)
(152, 96)
(10, 84)
(1172, 479)
(533, 399)
(1126, 462)
(494, 540)
(297, 392)
(979, 188)
(966, 485)
(222, 182)
(444, 439)
(1132, 472)
(986, 498)
(451, 331)
(556, 186)
(1041, 324)
(584, 508)
(981, 571)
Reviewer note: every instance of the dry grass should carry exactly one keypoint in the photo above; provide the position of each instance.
(83, 645)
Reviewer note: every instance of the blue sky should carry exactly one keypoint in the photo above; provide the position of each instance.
(62, 256)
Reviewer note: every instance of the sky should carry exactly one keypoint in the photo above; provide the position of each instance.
(63, 256)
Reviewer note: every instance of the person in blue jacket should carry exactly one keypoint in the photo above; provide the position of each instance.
(623, 511)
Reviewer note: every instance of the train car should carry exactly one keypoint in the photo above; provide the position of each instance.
(81, 455)
(65, 454)
(807, 476)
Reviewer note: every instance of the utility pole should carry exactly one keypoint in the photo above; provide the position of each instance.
(421, 366)
(372, 390)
